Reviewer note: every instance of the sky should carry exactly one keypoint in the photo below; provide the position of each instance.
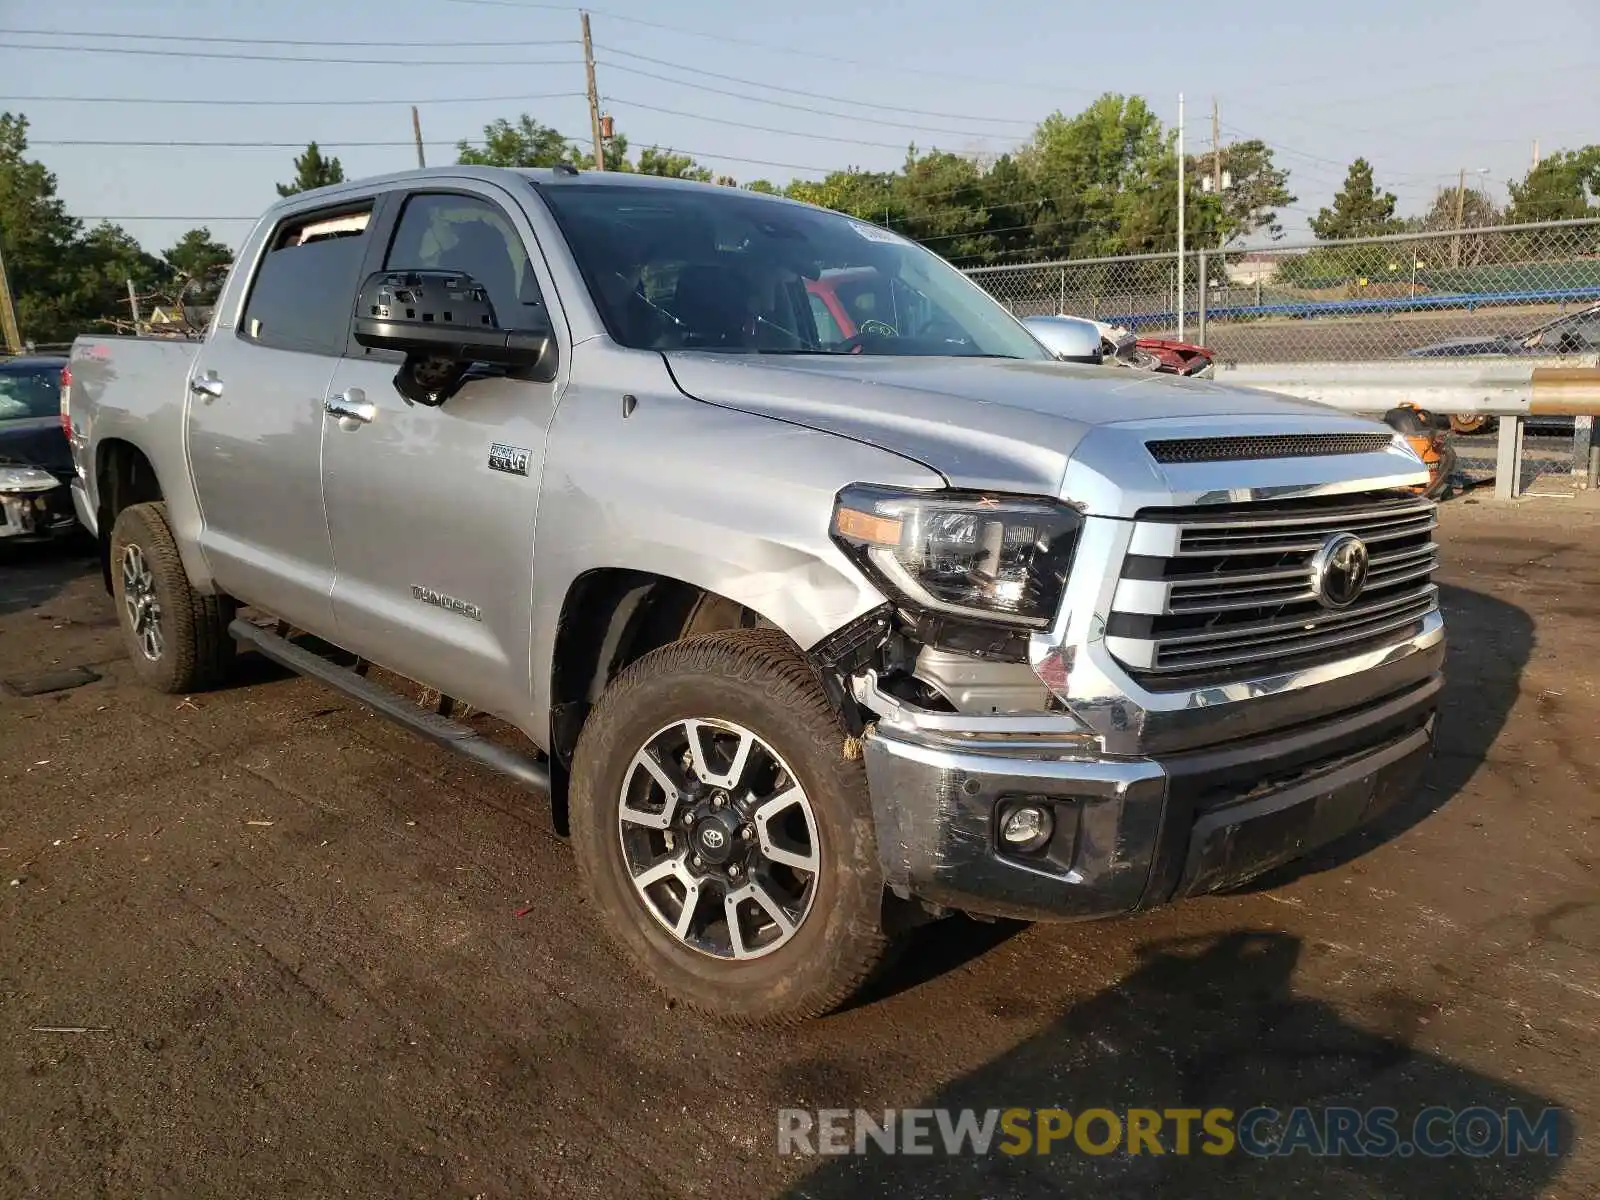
(1421, 88)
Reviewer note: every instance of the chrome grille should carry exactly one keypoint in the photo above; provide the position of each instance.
(1227, 591)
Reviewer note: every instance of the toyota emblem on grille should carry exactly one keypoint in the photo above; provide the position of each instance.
(1339, 570)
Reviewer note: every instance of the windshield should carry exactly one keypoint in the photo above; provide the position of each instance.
(33, 391)
(722, 270)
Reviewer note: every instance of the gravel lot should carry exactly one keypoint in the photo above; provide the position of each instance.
(318, 957)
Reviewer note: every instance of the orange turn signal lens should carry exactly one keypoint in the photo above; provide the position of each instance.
(867, 527)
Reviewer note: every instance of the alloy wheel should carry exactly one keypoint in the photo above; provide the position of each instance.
(719, 838)
(142, 604)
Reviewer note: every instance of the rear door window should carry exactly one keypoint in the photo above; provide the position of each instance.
(305, 287)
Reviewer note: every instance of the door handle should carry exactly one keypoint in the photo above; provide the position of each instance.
(206, 386)
(351, 405)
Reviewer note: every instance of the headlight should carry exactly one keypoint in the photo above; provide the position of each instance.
(991, 558)
(26, 479)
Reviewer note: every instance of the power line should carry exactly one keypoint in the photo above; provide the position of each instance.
(275, 103)
(806, 108)
(377, 62)
(811, 92)
(778, 48)
(818, 137)
(251, 41)
(218, 145)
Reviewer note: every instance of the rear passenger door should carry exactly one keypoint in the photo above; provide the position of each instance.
(255, 415)
(432, 530)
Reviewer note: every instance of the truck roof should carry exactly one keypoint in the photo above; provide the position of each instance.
(542, 176)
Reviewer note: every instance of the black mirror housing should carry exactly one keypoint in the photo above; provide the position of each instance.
(441, 315)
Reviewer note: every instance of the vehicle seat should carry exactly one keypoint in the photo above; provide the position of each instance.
(711, 301)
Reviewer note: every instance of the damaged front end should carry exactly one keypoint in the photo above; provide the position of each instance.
(1066, 716)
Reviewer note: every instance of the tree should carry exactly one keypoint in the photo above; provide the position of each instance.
(1257, 188)
(39, 240)
(1359, 209)
(1562, 186)
(530, 144)
(311, 170)
(655, 161)
(525, 144)
(1101, 178)
(763, 186)
(198, 266)
(110, 259)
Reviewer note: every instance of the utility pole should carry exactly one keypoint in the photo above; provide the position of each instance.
(1180, 216)
(9, 332)
(1216, 168)
(1216, 148)
(1536, 153)
(133, 305)
(1461, 203)
(594, 96)
(416, 132)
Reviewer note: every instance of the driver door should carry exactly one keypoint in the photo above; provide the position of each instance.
(431, 510)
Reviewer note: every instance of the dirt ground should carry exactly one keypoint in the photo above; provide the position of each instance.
(317, 957)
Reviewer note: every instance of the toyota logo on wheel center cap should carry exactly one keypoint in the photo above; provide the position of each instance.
(713, 838)
(1339, 570)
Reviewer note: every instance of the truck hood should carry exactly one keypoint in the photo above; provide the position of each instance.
(986, 423)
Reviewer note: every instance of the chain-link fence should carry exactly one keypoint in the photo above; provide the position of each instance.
(1510, 289)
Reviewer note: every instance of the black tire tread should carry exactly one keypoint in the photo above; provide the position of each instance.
(767, 659)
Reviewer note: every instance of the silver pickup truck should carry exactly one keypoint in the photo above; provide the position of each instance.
(811, 637)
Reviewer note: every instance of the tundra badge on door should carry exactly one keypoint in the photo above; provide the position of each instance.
(513, 460)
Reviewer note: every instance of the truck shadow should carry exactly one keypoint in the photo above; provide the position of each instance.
(1212, 1022)
(33, 575)
(1490, 643)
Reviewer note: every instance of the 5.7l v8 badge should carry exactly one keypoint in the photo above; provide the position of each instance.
(513, 460)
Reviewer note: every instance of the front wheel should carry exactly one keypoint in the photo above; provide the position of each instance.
(723, 832)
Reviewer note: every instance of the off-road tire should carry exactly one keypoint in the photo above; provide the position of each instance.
(196, 650)
(757, 678)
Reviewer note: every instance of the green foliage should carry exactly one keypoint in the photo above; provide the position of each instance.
(655, 161)
(531, 144)
(39, 240)
(311, 170)
(198, 265)
(1256, 190)
(1359, 209)
(1562, 186)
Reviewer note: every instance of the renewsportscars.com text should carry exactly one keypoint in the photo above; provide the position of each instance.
(1260, 1132)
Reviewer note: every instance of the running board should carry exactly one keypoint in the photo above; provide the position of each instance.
(440, 730)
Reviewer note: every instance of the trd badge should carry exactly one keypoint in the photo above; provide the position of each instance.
(513, 460)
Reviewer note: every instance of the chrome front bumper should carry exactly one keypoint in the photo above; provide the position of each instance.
(1275, 778)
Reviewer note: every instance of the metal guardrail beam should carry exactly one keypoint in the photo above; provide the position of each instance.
(1509, 387)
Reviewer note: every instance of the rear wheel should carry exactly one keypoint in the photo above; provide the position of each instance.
(724, 836)
(177, 638)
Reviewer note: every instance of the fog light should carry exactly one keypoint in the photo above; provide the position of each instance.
(1026, 827)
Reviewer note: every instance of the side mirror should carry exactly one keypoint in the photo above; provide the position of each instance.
(1070, 339)
(443, 315)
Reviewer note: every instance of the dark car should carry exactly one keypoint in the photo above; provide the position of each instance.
(1576, 333)
(35, 459)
